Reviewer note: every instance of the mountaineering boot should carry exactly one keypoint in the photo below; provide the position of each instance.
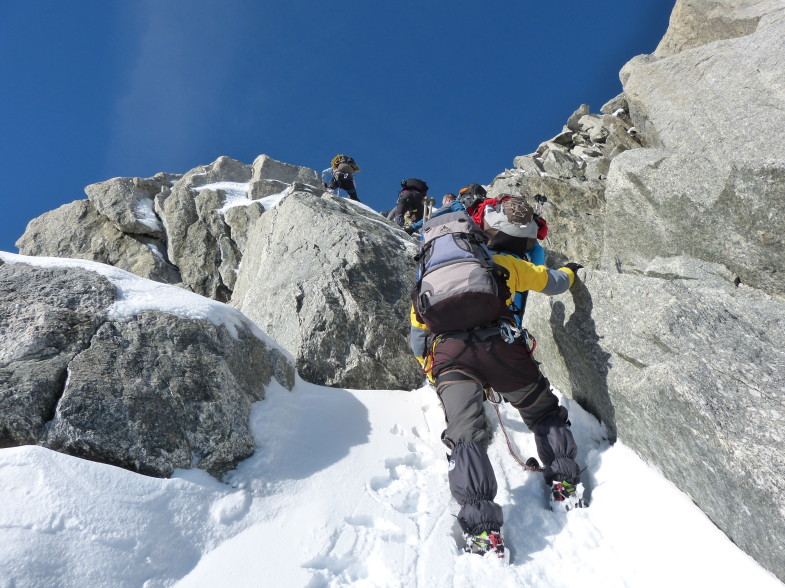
(566, 496)
(485, 543)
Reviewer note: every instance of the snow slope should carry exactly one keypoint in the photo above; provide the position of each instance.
(349, 488)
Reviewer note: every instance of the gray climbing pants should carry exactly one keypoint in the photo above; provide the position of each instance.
(471, 477)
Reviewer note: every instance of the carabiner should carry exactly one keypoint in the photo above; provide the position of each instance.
(508, 332)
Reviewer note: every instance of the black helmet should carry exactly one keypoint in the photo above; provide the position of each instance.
(472, 194)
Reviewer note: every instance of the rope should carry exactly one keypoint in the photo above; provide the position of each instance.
(489, 393)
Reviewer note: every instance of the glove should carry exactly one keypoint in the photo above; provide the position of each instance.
(573, 266)
(409, 230)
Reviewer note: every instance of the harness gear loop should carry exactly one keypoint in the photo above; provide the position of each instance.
(481, 333)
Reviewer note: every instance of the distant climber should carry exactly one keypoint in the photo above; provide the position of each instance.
(448, 198)
(411, 202)
(450, 203)
(341, 175)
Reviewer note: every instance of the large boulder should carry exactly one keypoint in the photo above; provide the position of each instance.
(689, 370)
(677, 338)
(78, 230)
(47, 317)
(128, 203)
(92, 366)
(330, 281)
(198, 238)
(271, 176)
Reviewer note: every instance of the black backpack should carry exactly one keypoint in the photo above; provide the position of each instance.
(415, 185)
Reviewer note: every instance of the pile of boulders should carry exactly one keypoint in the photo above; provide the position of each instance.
(584, 149)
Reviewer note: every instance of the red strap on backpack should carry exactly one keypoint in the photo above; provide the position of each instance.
(542, 228)
(479, 211)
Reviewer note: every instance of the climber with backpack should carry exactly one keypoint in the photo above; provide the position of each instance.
(465, 337)
(411, 202)
(450, 203)
(342, 169)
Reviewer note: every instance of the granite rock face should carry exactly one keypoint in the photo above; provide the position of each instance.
(663, 203)
(675, 336)
(151, 392)
(336, 296)
(78, 230)
(697, 23)
(197, 230)
(571, 171)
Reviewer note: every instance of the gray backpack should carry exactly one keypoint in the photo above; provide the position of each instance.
(459, 286)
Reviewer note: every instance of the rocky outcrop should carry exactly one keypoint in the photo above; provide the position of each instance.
(571, 170)
(675, 339)
(78, 230)
(198, 239)
(336, 296)
(700, 22)
(189, 230)
(143, 389)
(196, 231)
(128, 203)
(209, 211)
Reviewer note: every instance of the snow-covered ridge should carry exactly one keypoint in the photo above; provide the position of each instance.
(136, 295)
(236, 194)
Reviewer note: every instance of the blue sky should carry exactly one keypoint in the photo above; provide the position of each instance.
(449, 92)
